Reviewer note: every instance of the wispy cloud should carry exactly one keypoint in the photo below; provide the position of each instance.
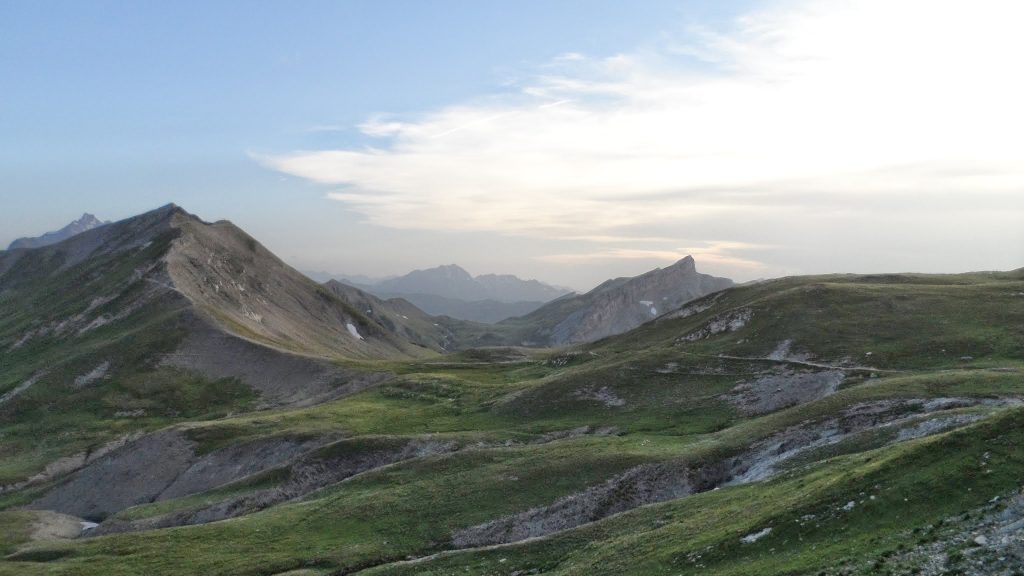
(798, 107)
(721, 253)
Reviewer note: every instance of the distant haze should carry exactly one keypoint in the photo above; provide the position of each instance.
(555, 141)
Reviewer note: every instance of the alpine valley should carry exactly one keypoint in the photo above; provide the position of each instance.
(176, 400)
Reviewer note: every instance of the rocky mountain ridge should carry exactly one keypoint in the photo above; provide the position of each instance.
(616, 306)
(229, 307)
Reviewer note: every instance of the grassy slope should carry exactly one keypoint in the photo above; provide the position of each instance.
(410, 508)
(811, 530)
(53, 417)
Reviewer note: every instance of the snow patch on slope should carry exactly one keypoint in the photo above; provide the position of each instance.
(352, 330)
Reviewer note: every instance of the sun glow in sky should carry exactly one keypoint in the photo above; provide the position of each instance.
(764, 138)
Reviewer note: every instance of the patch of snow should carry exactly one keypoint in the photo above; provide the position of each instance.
(783, 388)
(406, 317)
(352, 330)
(93, 375)
(86, 525)
(647, 303)
(849, 506)
(754, 537)
(654, 311)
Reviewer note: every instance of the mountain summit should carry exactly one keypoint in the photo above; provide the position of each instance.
(86, 222)
(175, 292)
(616, 306)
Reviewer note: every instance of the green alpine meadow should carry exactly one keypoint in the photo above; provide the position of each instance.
(177, 400)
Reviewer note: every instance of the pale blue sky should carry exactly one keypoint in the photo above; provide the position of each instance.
(222, 107)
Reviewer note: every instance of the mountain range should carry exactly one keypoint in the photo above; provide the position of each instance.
(451, 291)
(174, 399)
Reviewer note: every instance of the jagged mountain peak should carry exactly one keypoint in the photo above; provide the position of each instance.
(89, 220)
(618, 305)
(86, 222)
(685, 263)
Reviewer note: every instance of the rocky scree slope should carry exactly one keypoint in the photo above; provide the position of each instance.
(247, 291)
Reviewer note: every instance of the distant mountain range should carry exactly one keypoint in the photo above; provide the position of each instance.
(86, 222)
(452, 281)
(452, 291)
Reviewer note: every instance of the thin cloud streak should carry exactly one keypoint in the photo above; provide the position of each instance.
(715, 253)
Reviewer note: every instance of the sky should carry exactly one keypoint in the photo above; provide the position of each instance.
(568, 141)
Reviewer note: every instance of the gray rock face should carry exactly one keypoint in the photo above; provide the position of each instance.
(164, 465)
(86, 222)
(133, 475)
(620, 305)
(783, 388)
(644, 484)
(234, 462)
(280, 377)
(308, 471)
